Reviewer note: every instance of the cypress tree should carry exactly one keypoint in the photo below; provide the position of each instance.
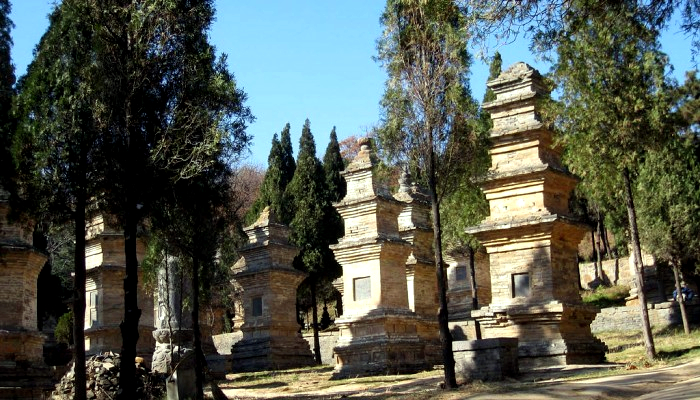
(7, 80)
(332, 166)
(311, 230)
(280, 171)
(288, 163)
(57, 151)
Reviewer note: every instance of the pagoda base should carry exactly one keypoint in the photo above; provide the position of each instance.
(548, 335)
(429, 333)
(383, 341)
(271, 353)
(103, 339)
(22, 346)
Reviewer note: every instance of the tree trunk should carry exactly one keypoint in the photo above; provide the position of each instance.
(475, 298)
(198, 354)
(79, 296)
(615, 253)
(679, 295)
(595, 257)
(445, 335)
(314, 323)
(599, 253)
(638, 267)
(130, 325)
(606, 242)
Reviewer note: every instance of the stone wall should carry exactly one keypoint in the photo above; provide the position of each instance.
(327, 340)
(485, 360)
(628, 318)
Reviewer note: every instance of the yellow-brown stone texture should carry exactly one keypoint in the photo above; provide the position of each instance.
(379, 333)
(20, 265)
(104, 292)
(268, 286)
(530, 236)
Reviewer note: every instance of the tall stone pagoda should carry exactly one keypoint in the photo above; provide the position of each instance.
(378, 330)
(530, 235)
(23, 374)
(415, 227)
(105, 265)
(268, 282)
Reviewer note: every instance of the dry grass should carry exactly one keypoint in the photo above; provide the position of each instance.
(673, 346)
(625, 348)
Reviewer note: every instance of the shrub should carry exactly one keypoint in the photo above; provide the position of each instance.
(64, 328)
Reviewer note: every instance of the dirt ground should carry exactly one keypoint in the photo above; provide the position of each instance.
(577, 382)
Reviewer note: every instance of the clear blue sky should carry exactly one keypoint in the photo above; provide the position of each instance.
(305, 59)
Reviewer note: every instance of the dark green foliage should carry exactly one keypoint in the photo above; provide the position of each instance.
(280, 170)
(57, 143)
(544, 21)
(332, 166)
(7, 80)
(307, 193)
(614, 108)
(64, 329)
(287, 154)
(315, 223)
(668, 189)
(494, 70)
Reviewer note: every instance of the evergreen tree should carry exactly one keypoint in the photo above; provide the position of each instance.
(429, 116)
(192, 220)
(614, 107)
(56, 144)
(494, 70)
(288, 163)
(312, 230)
(668, 189)
(7, 80)
(332, 166)
(280, 170)
(164, 107)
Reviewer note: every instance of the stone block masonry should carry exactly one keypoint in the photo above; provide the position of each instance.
(379, 333)
(530, 235)
(268, 285)
(23, 373)
(104, 292)
(486, 359)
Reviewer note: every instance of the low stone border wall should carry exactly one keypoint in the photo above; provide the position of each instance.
(628, 318)
(327, 341)
(486, 359)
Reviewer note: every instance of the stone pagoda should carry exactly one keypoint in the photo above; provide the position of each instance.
(22, 370)
(268, 284)
(105, 265)
(530, 236)
(415, 227)
(378, 330)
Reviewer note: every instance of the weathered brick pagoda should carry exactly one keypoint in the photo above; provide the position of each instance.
(105, 265)
(22, 370)
(530, 235)
(416, 228)
(378, 330)
(269, 287)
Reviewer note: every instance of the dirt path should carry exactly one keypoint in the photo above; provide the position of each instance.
(554, 383)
